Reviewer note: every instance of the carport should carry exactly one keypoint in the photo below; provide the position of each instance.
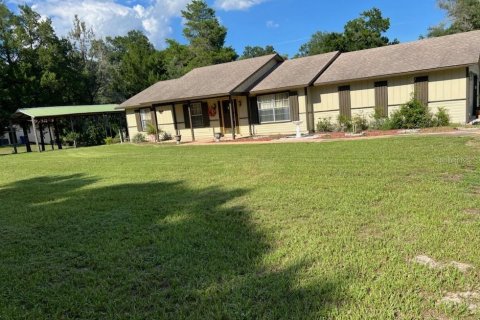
(48, 117)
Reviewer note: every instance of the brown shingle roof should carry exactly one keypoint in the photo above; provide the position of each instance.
(210, 81)
(433, 53)
(299, 72)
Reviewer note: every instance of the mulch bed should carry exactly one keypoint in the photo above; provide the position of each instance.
(376, 133)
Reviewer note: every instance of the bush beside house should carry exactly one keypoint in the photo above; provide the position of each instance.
(411, 115)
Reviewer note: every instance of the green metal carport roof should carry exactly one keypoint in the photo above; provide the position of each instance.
(46, 112)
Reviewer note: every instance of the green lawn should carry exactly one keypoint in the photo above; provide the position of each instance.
(305, 230)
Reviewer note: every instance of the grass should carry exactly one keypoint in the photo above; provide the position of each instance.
(274, 231)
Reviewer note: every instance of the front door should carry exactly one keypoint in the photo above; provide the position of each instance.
(226, 119)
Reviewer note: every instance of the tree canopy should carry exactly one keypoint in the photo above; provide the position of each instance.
(463, 16)
(364, 32)
(37, 68)
(256, 51)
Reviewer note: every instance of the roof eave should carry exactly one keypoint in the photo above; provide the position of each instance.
(278, 89)
(276, 57)
(316, 84)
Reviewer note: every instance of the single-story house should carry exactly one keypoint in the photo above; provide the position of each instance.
(269, 95)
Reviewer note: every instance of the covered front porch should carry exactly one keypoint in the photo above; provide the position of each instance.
(196, 120)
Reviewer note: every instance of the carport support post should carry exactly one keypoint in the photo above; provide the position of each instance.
(190, 117)
(231, 117)
(57, 134)
(13, 136)
(25, 136)
(42, 138)
(50, 135)
(35, 134)
(71, 125)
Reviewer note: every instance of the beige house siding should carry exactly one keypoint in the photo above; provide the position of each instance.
(131, 123)
(446, 88)
(165, 121)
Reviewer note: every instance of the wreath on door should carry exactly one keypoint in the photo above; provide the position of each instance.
(212, 110)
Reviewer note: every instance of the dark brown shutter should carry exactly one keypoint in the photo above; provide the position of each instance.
(139, 121)
(345, 102)
(381, 98)
(421, 89)
(186, 118)
(206, 117)
(254, 117)
(293, 101)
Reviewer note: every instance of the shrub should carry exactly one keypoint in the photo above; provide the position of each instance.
(344, 123)
(138, 138)
(360, 122)
(151, 129)
(411, 115)
(70, 137)
(441, 119)
(379, 120)
(165, 136)
(112, 140)
(325, 125)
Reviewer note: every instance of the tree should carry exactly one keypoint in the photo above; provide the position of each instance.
(256, 51)
(177, 59)
(135, 64)
(206, 36)
(364, 32)
(463, 16)
(89, 58)
(34, 62)
(321, 42)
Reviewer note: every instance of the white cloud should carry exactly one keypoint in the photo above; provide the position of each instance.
(108, 17)
(228, 5)
(272, 24)
(113, 18)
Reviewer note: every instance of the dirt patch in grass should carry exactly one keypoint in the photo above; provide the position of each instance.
(370, 232)
(432, 264)
(473, 211)
(473, 143)
(452, 177)
(476, 190)
(469, 298)
(427, 261)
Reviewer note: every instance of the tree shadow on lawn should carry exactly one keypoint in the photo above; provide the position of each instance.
(149, 250)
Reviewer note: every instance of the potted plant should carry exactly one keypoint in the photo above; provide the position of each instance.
(152, 133)
(178, 138)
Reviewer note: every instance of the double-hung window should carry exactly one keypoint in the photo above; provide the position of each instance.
(145, 118)
(274, 107)
(197, 115)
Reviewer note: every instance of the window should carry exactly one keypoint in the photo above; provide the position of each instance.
(197, 115)
(145, 118)
(274, 107)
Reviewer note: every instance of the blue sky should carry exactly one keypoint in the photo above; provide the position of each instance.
(285, 24)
